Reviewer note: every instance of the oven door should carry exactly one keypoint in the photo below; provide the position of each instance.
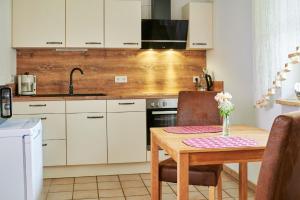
(160, 118)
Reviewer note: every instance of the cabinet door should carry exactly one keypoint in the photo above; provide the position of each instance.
(126, 134)
(86, 138)
(54, 125)
(38, 23)
(84, 23)
(54, 152)
(200, 15)
(123, 23)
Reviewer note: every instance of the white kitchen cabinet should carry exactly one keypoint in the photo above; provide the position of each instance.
(86, 138)
(38, 23)
(123, 23)
(85, 23)
(200, 16)
(126, 133)
(54, 153)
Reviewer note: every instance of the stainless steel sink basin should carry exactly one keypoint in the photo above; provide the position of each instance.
(68, 95)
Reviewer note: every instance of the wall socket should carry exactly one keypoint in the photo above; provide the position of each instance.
(120, 79)
(196, 77)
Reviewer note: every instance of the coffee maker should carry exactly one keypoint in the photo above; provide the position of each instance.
(26, 84)
(5, 103)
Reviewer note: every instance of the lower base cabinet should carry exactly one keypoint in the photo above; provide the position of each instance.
(54, 152)
(126, 133)
(86, 139)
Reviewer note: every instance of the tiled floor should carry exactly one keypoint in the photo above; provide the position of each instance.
(125, 187)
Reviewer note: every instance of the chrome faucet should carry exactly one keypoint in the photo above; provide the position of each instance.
(71, 87)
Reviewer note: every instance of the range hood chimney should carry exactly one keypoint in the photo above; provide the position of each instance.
(161, 32)
(161, 9)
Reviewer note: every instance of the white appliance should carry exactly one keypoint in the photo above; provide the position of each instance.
(21, 168)
(26, 84)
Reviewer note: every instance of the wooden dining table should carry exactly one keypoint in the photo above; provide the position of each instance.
(186, 156)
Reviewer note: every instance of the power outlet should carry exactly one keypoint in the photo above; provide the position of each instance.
(120, 79)
(196, 78)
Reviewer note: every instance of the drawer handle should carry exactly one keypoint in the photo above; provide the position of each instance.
(44, 145)
(37, 105)
(93, 43)
(199, 43)
(131, 43)
(44, 118)
(54, 43)
(129, 103)
(95, 117)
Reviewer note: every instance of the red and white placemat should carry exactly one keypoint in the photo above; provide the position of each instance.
(193, 129)
(220, 142)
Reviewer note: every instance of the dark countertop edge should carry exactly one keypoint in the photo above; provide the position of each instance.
(108, 97)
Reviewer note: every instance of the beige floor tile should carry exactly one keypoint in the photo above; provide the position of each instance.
(168, 196)
(59, 196)
(130, 177)
(113, 198)
(86, 179)
(165, 190)
(111, 193)
(235, 193)
(191, 188)
(109, 185)
(146, 176)
(90, 194)
(135, 191)
(132, 184)
(61, 181)
(145, 197)
(61, 188)
(205, 193)
(196, 196)
(47, 181)
(85, 186)
(230, 185)
(107, 178)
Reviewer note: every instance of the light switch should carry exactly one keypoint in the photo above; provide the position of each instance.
(120, 79)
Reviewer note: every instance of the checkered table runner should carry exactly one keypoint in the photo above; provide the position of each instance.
(219, 142)
(193, 129)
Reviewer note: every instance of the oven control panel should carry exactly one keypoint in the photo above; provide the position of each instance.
(161, 103)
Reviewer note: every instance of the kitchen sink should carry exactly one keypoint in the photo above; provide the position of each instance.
(68, 95)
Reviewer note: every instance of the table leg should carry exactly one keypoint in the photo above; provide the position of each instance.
(243, 179)
(155, 187)
(183, 177)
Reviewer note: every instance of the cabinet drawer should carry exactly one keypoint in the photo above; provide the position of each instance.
(54, 152)
(38, 107)
(126, 105)
(86, 106)
(54, 125)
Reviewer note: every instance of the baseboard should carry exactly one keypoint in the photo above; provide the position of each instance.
(235, 176)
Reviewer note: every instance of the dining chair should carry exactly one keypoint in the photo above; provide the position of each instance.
(196, 109)
(279, 176)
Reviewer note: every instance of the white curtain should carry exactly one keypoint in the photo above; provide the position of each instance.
(277, 33)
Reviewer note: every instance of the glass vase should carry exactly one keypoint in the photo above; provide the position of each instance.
(225, 126)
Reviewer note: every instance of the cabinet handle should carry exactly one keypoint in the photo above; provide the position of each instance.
(44, 145)
(129, 103)
(199, 43)
(95, 117)
(44, 118)
(54, 43)
(93, 43)
(131, 43)
(37, 105)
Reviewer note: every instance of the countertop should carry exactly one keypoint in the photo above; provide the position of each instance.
(288, 102)
(107, 97)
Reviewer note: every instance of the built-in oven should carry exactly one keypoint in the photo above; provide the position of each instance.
(160, 113)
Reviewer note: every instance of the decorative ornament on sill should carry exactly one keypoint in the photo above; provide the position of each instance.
(294, 58)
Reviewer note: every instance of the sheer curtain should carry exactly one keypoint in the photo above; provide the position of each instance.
(277, 33)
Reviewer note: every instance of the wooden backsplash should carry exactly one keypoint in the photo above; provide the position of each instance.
(148, 71)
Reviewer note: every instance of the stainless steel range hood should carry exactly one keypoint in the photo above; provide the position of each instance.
(161, 32)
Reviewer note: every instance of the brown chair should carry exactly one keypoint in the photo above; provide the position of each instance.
(279, 177)
(196, 108)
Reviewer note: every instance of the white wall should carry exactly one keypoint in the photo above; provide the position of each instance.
(7, 54)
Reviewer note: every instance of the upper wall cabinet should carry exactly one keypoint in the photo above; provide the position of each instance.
(123, 23)
(200, 16)
(38, 23)
(85, 23)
